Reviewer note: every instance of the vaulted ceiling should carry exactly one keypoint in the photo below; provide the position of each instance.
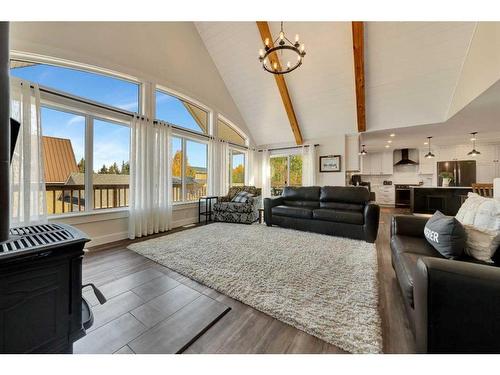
(416, 73)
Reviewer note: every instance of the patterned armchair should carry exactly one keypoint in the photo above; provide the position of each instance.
(233, 212)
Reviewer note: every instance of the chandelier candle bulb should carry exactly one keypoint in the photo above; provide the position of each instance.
(266, 42)
(302, 48)
(288, 65)
(261, 52)
(296, 38)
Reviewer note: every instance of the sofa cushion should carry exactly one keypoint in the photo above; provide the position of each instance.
(304, 193)
(233, 207)
(339, 216)
(299, 212)
(446, 235)
(345, 194)
(342, 206)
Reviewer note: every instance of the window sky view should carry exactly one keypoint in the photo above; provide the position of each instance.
(111, 141)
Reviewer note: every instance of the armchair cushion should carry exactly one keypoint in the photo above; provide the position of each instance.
(233, 207)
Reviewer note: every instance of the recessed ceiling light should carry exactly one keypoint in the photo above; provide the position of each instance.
(393, 135)
(389, 141)
(387, 146)
(426, 143)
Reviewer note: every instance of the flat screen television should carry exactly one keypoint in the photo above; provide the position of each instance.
(14, 132)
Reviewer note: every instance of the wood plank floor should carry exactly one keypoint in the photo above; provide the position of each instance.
(149, 308)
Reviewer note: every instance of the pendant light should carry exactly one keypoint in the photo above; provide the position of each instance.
(363, 151)
(429, 155)
(474, 152)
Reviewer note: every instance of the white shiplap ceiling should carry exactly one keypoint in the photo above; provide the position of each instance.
(412, 70)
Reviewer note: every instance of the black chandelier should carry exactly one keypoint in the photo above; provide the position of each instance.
(282, 43)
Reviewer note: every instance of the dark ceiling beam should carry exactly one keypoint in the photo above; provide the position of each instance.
(265, 33)
(358, 46)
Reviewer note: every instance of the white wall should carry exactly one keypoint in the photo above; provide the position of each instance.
(170, 54)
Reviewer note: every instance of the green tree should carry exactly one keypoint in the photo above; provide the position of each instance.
(113, 169)
(238, 174)
(295, 170)
(103, 170)
(81, 165)
(125, 168)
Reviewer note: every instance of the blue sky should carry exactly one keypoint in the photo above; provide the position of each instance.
(111, 141)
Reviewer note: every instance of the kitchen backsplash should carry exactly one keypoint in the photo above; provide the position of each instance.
(403, 174)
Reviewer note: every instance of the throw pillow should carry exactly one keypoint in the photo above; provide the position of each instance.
(467, 212)
(242, 197)
(481, 243)
(446, 235)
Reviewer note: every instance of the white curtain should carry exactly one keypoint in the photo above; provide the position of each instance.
(266, 174)
(250, 171)
(27, 179)
(150, 178)
(223, 158)
(309, 166)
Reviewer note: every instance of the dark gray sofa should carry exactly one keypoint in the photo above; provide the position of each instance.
(333, 210)
(453, 305)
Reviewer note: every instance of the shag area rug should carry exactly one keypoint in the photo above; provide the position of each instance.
(323, 285)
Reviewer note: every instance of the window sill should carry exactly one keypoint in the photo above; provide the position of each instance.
(91, 216)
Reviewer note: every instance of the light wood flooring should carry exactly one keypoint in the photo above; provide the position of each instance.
(152, 309)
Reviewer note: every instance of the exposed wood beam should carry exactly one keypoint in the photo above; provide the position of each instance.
(358, 46)
(265, 33)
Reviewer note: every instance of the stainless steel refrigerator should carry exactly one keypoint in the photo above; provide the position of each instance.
(464, 172)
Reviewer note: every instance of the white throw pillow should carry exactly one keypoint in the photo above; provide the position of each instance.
(467, 212)
(481, 244)
(488, 215)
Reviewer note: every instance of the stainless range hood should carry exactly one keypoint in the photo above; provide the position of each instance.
(405, 159)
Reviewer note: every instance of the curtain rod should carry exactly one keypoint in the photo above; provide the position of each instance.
(124, 112)
(288, 148)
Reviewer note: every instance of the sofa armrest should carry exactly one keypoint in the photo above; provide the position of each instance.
(457, 307)
(408, 225)
(269, 203)
(371, 217)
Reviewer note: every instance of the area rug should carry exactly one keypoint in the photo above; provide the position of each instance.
(323, 285)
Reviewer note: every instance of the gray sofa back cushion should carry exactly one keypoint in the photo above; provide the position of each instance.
(344, 194)
(307, 196)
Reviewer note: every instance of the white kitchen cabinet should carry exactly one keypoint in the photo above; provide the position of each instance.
(352, 162)
(387, 162)
(425, 165)
(487, 163)
(377, 163)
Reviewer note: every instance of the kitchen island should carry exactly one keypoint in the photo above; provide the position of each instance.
(428, 199)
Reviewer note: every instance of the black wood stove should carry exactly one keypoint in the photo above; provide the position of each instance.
(41, 289)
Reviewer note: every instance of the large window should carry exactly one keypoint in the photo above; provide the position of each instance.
(178, 112)
(97, 87)
(286, 170)
(229, 133)
(237, 168)
(111, 165)
(189, 169)
(64, 160)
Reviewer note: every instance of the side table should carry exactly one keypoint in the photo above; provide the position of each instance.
(208, 207)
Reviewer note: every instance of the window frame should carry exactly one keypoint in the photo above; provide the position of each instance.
(184, 98)
(245, 164)
(63, 105)
(189, 137)
(62, 63)
(232, 126)
(288, 156)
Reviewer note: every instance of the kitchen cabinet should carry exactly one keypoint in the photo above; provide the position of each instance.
(487, 163)
(426, 166)
(377, 163)
(352, 162)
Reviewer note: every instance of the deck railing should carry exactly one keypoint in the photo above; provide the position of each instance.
(71, 198)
